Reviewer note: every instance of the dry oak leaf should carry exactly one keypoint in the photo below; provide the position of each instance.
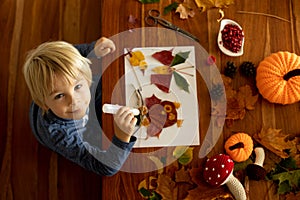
(246, 93)
(276, 141)
(183, 175)
(204, 5)
(166, 187)
(184, 11)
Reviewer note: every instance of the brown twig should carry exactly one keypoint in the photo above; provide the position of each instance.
(263, 14)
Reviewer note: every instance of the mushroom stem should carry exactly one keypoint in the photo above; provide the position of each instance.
(260, 156)
(236, 188)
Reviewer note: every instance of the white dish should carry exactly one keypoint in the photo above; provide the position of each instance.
(188, 133)
(223, 23)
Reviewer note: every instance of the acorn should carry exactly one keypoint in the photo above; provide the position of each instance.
(230, 69)
(248, 69)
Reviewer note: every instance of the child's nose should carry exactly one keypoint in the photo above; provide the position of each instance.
(73, 100)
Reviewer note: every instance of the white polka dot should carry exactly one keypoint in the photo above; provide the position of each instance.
(222, 166)
(214, 159)
(216, 183)
(209, 178)
(229, 160)
(213, 169)
(206, 168)
(226, 171)
(218, 175)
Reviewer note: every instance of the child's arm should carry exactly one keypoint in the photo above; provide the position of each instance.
(124, 124)
(101, 47)
(104, 46)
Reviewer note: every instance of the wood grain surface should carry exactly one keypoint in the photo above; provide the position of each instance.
(269, 27)
(29, 170)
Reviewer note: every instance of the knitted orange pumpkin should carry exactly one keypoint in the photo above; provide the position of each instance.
(278, 78)
(239, 146)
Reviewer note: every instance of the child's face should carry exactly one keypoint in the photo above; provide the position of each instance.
(69, 100)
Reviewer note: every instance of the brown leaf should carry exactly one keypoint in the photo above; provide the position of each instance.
(276, 141)
(166, 187)
(204, 5)
(184, 11)
(246, 93)
(183, 175)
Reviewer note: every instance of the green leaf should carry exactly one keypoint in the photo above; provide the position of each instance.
(242, 165)
(169, 8)
(292, 178)
(144, 192)
(149, 1)
(181, 82)
(180, 58)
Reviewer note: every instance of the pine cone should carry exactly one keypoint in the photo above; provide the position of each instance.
(216, 92)
(230, 69)
(248, 69)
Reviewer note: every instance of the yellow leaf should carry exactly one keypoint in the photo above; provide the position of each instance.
(204, 5)
(162, 70)
(138, 55)
(183, 154)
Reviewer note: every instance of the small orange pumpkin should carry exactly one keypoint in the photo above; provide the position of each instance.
(278, 78)
(239, 146)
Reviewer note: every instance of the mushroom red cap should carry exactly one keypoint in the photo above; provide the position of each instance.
(217, 169)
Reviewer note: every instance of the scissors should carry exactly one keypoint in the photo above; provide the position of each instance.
(154, 17)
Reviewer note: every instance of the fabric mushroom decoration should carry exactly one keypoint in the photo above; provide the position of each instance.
(218, 171)
(256, 171)
(278, 79)
(239, 146)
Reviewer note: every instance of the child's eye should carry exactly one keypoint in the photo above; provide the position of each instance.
(58, 96)
(78, 86)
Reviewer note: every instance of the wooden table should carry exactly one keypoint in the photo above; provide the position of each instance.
(263, 36)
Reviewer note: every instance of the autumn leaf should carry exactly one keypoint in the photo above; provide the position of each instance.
(288, 181)
(162, 69)
(277, 142)
(180, 58)
(164, 56)
(170, 7)
(204, 5)
(181, 82)
(183, 154)
(245, 92)
(166, 187)
(184, 11)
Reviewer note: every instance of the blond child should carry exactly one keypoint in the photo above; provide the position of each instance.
(59, 79)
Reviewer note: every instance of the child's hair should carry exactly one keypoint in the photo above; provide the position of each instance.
(47, 61)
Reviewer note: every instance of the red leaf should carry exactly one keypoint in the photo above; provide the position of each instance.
(164, 56)
(150, 101)
(162, 81)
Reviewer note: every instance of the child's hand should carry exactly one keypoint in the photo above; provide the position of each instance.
(125, 123)
(104, 46)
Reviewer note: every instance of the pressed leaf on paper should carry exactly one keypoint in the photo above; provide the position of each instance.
(164, 56)
(162, 69)
(181, 82)
(180, 58)
(204, 5)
